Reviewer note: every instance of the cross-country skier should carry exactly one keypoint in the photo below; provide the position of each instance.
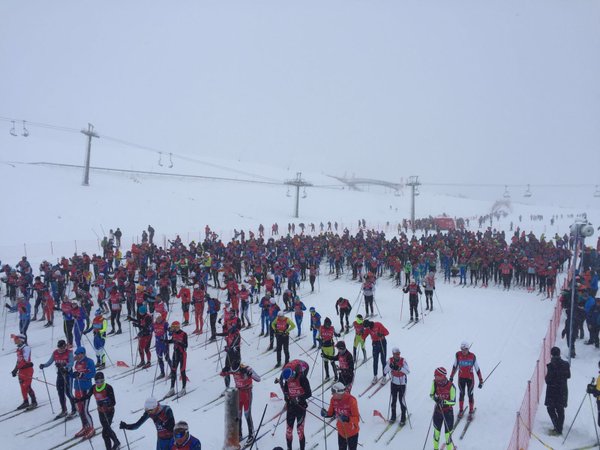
(243, 377)
(359, 337)
(413, 290)
(378, 333)
(429, 285)
(162, 416)
(179, 339)
(282, 326)
(62, 358)
(345, 364)
(397, 367)
(145, 326)
(182, 439)
(83, 374)
(98, 326)
(296, 390)
(443, 393)
(24, 368)
(161, 345)
(465, 363)
(343, 308)
(326, 335)
(299, 309)
(105, 401)
(344, 407)
(315, 324)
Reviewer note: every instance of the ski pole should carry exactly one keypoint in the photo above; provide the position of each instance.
(575, 418)
(438, 300)
(278, 421)
(48, 391)
(593, 418)
(126, 440)
(402, 306)
(259, 427)
(323, 401)
(406, 406)
(490, 374)
(427, 434)
(4, 333)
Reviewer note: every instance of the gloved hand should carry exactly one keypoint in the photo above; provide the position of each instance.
(480, 384)
(14, 372)
(122, 425)
(79, 375)
(591, 389)
(451, 379)
(344, 418)
(380, 335)
(42, 367)
(323, 412)
(337, 334)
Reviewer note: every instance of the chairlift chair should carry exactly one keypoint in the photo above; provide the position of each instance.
(506, 193)
(25, 130)
(303, 192)
(13, 131)
(160, 159)
(597, 192)
(527, 192)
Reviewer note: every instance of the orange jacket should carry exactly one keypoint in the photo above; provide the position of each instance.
(346, 405)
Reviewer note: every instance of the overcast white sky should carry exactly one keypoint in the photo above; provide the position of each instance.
(454, 91)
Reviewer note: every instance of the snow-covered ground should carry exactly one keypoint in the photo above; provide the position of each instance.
(503, 326)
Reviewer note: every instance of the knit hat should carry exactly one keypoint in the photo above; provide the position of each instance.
(338, 388)
(341, 345)
(150, 404)
(440, 372)
(555, 351)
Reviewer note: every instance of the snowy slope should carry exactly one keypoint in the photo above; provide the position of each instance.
(505, 327)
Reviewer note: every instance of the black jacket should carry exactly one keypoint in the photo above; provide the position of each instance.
(557, 392)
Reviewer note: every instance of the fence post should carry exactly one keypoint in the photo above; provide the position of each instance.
(25, 249)
(537, 380)
(51, 249)
(529, 404)
(518, 428)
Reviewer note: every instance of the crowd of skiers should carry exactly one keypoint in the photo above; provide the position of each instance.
(142, 284)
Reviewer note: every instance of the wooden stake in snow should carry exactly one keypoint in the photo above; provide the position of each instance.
(232, 420)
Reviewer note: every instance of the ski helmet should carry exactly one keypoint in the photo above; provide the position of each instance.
(395, 350)
(99, 377)
(80, 351)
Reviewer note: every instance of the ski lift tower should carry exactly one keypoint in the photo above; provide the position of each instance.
(298, 182)
(414, 184)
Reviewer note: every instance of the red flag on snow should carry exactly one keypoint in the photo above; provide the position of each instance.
(274, 395)
(378, 414)
(122, 364)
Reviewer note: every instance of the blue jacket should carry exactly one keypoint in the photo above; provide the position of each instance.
(83, 374)
(190, 444)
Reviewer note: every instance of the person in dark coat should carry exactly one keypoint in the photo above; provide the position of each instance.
(557, 392)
